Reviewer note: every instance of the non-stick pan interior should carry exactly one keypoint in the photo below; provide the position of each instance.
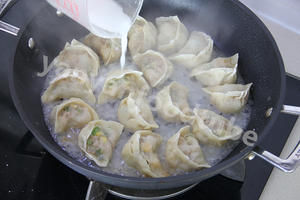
(232, 26)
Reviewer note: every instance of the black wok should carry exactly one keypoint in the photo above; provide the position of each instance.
(233, 27)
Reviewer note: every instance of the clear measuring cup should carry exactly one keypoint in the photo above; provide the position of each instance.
(105, 18)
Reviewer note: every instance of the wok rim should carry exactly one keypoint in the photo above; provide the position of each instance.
(140, 182)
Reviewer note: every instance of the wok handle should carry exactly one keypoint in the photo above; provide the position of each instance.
(9, 28)
(5, 26)
(292, 110)
(293, 161)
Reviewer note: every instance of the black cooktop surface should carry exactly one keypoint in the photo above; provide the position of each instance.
(28, 172)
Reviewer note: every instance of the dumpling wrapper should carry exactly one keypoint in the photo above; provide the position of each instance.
(135, 113)
(72, 113)
(172, 34)
(184, 152)
(229, 98)
(141, 36)
(155, 67)
(109, 49)
(196, 51)
(219, 71)
(212, 128)
(98, 140)
(120, 83)
(70, 83)
(78, 56)
(140, 152)
(172, 103)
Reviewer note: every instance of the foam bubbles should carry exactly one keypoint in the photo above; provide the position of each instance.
(197, 98)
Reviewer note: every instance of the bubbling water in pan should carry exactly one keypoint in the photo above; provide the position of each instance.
(197, 98)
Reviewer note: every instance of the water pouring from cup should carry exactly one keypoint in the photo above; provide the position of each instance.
(104, 18)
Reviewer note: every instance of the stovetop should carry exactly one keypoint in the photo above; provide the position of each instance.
(28, 172)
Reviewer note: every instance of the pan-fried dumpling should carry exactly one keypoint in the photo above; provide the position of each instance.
(120, 83)
(135, 113)
(71, 83)
(140, 152)
(109, 49)
(172, 34)
(141, 36)
(78, 56)
(98, 140)
(212, 128)
(184, 152)
(172, 103)
(72, 113)
(197, 50)
(220, 71)
(156, 68)
(229, 98)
